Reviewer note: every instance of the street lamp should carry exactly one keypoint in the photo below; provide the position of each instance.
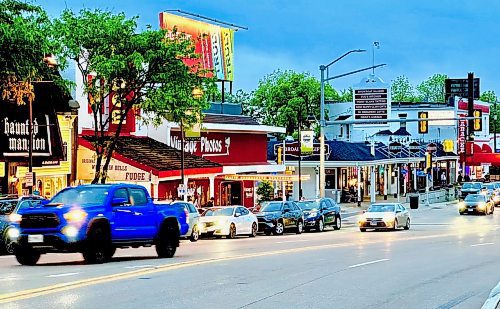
(322, 69)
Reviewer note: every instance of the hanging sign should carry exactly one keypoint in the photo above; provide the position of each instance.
(307, 142)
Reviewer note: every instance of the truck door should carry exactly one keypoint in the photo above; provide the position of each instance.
(144, 215)
(123, 225)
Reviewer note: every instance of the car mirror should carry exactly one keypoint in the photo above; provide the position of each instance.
(398, 211)
(364, 211)
(118, 201)
(237, 214)
(286, 210)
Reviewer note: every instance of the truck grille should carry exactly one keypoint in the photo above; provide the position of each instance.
(39, 221)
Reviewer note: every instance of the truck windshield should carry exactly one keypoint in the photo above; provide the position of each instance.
(81, 196)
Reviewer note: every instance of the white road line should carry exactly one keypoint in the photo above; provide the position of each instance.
(139, 266)
(368, 263)
(62, 275)
(483, 244)
(290, 241)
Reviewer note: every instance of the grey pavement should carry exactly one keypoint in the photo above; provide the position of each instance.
(444, 261)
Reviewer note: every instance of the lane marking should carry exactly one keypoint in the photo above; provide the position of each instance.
(368, 263)
(62, 275)
(61, 287)
(291, 241)
(483, 244)
(139, 266)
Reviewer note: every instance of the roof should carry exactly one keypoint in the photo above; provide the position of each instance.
(343, 117)
(384, 132)
(401, 132)
(150, 153)
(229, 119)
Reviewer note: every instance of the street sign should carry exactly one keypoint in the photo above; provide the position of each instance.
(395, 147)
(30, 179)
(404, 172)
(421, 173)
(370, 104)
(459, 87)
(414, 147)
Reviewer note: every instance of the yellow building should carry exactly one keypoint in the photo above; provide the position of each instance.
(52, 176)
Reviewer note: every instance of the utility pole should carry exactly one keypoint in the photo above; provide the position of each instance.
(30, 147)
(300, 153)
(470, 108)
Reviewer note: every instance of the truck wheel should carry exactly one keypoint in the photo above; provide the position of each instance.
(168, 240)
(27, 256)
(98, 248)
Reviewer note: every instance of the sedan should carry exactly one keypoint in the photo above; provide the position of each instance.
(228, 221)
(385, 216)
(276, 217)
(9, 206)
(476, 203)
(193, 218)
(320, 213)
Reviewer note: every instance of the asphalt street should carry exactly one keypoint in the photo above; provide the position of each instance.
(443, 261)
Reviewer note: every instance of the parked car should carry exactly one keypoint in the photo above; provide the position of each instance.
(10, 206)
(471, 188)
(277, 217)
(476, 203)
(95, 220)
(193, 218)
(228, 221)
(320, 213)
(385, 216)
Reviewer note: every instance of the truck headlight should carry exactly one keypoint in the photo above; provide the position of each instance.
(75, 215)
(13, 233)
(70, 231)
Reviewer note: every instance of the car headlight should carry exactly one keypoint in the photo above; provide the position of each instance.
(461, 205)
(75, 215)
(481, 206)
(269, 217)
(15, 218)
(313, 214)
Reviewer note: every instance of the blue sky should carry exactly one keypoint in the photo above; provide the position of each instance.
(417, 38)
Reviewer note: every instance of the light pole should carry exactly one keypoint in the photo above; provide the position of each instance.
(322, 69)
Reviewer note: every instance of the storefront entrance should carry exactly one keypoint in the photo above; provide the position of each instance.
(231, 193)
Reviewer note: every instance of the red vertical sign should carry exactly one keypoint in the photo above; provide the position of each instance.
(462, 137)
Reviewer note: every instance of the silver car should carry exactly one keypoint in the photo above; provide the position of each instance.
(193, 218)
(385, 216)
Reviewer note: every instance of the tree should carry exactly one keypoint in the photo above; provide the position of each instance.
(346, 95)
(282, 94)
(402, 90)
(134, 70)
(490, 97)
(265, 191)
(432, 89)
(25, 41)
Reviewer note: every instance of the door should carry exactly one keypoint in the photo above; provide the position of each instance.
(288, 215)
(239, 221)
(247, 220)
(144, 213)
(328, 211)
(123, 225)
(401, 215)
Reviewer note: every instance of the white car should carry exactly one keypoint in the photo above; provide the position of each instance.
(228, 221)
(385, 216)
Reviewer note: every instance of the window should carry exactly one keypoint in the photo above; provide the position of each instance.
(287, 206)
(191, 208)
(244, 211)
(324, 205)
(330, 203)
(138, 197)
(121, 193)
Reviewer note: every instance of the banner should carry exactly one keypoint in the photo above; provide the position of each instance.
(213, 43)
(306, 142)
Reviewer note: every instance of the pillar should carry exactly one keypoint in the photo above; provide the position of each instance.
(211, 185)
(373, 184)
(359, 185)
(386, 171)
(185, 197)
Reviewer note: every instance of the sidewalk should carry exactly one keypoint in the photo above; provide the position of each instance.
(352, 207)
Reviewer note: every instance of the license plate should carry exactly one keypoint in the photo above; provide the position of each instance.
(35, 238)
(470, 210)
(373, 223)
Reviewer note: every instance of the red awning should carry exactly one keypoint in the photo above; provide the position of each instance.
(481, 158)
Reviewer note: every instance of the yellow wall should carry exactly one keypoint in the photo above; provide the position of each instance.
(2, 169)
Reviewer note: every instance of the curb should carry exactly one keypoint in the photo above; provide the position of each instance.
(493, 300)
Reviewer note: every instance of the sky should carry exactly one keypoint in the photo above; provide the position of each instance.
(417, 38)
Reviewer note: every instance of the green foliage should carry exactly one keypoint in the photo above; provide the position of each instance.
(402, 90)
(491, 97)
(432, 89)
(282, 94)
(265, 191)
(346, 95)
(25, 38)
(142, 69)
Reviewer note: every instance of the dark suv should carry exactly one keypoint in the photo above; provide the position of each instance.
(320, 213)
(471, 188)
(9, 206)
(276, 217)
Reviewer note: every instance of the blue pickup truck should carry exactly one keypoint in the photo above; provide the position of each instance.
(95, 220)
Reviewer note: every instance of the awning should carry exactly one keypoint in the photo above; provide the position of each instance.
(482, 158)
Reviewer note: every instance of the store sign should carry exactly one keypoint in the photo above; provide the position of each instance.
(262, 177)
(370, 104)
(462, 135)
(307, 142)
(431, 148)
(292, 149)
(414, 147)
(117, 171)
(206, 146)
(395, 147)
(448, 145)
(213, 44)
(15, 133)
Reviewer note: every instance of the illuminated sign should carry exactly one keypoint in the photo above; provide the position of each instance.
(214, 44)
(441, 114)
(267, 177)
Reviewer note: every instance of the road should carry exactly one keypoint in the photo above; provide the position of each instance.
(444, 261)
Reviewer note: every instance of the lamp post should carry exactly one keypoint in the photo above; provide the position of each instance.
(322, 69)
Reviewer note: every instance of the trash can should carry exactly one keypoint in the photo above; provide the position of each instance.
(414, 201)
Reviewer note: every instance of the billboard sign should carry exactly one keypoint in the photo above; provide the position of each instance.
(371, 100)
(214, 44)
(460, 87)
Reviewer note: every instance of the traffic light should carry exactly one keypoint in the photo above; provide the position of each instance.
(478, 123)
(423, 125)
(279, 159)
(428, 162)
